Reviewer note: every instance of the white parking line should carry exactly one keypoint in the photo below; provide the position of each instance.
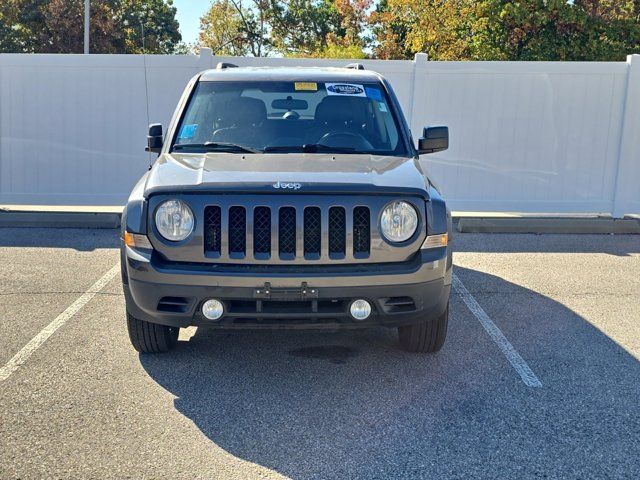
(21, 357)
(527, 375)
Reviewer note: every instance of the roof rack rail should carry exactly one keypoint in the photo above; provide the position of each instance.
(355, 66)
(223, 65)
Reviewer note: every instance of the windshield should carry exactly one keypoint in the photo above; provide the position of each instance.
(290, 117)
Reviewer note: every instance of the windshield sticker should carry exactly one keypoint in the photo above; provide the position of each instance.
(188, 131)
(350, 89)
(382, 106)
(308, 86)
(373, 93)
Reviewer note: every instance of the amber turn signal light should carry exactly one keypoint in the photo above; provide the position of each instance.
(136, 240)
(435, 241)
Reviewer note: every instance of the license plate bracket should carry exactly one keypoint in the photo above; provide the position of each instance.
(267, 292)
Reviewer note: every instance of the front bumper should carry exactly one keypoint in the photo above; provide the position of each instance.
(306, 297)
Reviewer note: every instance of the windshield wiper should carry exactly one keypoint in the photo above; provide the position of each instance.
(310, 148)
(216, 146)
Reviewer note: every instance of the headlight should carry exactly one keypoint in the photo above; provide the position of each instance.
(399, 221)
(174, 220)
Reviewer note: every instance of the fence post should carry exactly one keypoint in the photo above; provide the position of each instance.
(627, 191)
(205, 62)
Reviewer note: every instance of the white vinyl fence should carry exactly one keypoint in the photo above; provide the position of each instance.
(537, 137)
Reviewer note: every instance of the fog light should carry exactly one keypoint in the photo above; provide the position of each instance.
(360, 309)
(212, 309)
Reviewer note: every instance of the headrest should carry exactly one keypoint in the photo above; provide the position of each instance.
(245, 111)
(341, 109)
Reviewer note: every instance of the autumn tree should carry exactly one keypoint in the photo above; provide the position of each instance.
(327, 28)
(117, 26)
(63, 30)
(508, 29)
(390, 26)
(234, 27)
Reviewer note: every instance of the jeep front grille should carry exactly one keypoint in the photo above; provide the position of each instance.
(286, 231)
(237, 231)
(337, 241)
(262, 231)
(312, 232)
(212, 229)
(361, 230)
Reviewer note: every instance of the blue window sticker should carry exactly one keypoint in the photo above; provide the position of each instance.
(188, 131)
(382, 106)
(373, 93)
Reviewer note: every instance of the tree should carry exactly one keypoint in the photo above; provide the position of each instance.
(390, 28)
(117, 26)
(307, 28)
(508, 29)
(148, 26)
(300, 27)
(442, 29)
(613, 28)
(24, 22)
(231, 28)
(64, 28)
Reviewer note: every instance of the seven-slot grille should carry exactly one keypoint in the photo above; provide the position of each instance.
(287, 231)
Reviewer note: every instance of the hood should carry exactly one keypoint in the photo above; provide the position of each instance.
(301, 173)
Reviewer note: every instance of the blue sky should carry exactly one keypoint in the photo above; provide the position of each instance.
(189, 13)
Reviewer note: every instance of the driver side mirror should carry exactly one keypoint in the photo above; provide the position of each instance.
(434, 139)
(154, 139)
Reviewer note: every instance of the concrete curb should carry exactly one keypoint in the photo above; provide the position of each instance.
(59, 219)
(597, 225)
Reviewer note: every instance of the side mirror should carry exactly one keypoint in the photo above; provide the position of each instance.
(434, 139)
(154, 139)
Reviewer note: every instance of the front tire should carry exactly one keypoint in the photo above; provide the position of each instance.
(425, 337)
(147, 337)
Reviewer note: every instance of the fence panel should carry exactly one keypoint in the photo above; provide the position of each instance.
(525, 137)
(530, 137)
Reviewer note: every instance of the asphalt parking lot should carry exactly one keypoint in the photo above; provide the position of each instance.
(84, 404)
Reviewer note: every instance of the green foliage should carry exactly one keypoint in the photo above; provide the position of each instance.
(150, 26)
(302, 28)
(444, 29)
(231, 27)
(333, 50)
(117, 26)
(508, 29)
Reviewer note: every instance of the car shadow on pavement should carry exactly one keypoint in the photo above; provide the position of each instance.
(352, 405)
(81, 239)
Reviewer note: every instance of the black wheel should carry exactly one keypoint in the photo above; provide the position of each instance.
(149, 337)
(425, 337)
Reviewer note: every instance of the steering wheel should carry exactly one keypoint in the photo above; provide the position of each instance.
(345, 140)
(291, 115)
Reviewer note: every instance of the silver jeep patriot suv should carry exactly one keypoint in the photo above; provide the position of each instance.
(287, 198)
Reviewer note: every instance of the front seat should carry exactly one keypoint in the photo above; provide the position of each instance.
(243, 118)
(338, 114)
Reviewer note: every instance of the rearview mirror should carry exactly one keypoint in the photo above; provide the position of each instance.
(434, 139)
(154, 139)
(289, 104)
